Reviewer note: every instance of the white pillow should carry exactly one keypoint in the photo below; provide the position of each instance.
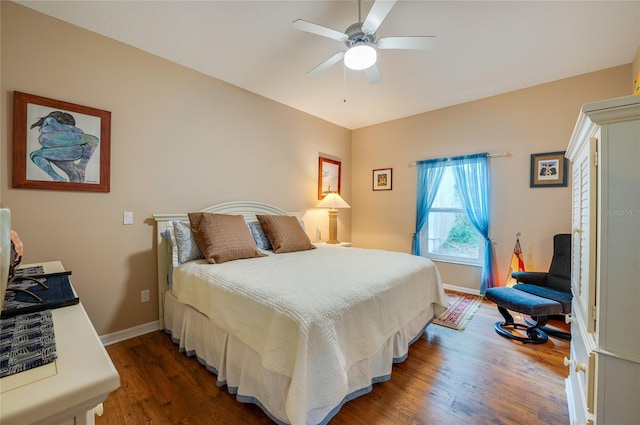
(188, 249)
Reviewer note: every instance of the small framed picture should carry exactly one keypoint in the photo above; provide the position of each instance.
(329, 171)
(382, 179)
(548, 170)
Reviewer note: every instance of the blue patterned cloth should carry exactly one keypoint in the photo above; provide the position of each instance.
(26, 341)
(57, 292)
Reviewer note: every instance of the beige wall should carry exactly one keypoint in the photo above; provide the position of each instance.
(533, 120)
(180, 141)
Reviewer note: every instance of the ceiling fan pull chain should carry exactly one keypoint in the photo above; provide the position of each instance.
(344, 84)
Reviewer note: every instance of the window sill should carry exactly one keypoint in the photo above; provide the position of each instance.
(458, 262)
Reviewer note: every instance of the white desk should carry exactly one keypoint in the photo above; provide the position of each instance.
(67, 390)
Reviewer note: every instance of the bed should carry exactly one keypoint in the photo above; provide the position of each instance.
(297, 333)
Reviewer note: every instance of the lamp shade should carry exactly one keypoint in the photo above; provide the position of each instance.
(333, 201)
(360, 56)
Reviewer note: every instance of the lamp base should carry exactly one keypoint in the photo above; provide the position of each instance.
(333, 227)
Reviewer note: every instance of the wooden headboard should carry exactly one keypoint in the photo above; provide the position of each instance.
(248, 209)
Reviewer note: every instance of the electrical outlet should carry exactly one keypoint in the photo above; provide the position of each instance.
(127, 217)
(144, 296)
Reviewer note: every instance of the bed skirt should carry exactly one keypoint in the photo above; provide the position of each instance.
(239, 367)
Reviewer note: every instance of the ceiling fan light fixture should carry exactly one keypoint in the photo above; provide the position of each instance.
(360, 56)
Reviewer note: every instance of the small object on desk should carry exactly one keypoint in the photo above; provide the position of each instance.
(32, 293)
(29, 271)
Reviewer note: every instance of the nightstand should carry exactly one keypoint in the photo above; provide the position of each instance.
(343, 244)
(67, 390)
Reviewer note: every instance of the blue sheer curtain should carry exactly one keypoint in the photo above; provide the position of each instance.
(429, 177)
(474, 185)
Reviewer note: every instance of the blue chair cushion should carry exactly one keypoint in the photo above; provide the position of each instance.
(564, 298)
(523, 302)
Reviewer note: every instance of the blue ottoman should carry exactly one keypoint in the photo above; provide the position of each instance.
(538, 308)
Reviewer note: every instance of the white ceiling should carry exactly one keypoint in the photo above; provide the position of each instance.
(483, 47)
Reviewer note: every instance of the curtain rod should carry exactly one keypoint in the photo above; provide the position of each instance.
(491, 155)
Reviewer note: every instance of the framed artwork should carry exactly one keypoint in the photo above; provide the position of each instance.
(548, 170)
(328, 176)
(60, 145)
(382, 179)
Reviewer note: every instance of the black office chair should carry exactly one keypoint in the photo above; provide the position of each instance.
(540, 295)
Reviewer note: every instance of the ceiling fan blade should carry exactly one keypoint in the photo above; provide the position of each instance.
(414, 43)
(372, 73)
(327, 64)
(307, 26)
(376, 15)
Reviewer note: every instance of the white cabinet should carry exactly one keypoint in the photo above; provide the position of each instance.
(67, 390)
(603, 386)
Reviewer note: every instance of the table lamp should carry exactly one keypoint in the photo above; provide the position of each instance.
(333, 201)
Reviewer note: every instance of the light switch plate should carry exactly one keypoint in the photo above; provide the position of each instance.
(128, 217)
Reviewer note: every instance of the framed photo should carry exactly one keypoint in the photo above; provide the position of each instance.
(382, 179)
(328, 176)
(60, 145)
(548, 170)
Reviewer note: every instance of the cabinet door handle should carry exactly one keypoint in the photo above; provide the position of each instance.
(578, 367)
(98, 410)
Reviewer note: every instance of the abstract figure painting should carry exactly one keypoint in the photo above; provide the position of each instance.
(60, 145)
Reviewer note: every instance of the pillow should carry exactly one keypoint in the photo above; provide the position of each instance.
(223, 237)
(262, 241)
(169, 236)
(285, 233)
(188, 248)
(171, 240)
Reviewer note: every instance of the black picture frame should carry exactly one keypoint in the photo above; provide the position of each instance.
(548, 169)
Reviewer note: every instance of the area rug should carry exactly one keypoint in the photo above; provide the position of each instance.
(461, 309)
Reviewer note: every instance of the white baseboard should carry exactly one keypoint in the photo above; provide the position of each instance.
(125, 334)
(461, 289)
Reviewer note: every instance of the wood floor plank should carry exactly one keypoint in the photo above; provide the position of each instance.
(449, 378)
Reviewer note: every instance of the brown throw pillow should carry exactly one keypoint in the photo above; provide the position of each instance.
(284, 233)
(223, 237)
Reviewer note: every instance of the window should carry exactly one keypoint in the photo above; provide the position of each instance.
(448, 234)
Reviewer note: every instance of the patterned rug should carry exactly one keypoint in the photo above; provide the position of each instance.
(461, 309)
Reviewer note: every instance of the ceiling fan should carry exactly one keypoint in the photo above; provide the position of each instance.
(360, 39)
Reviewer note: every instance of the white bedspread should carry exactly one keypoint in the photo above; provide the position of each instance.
(312, 314)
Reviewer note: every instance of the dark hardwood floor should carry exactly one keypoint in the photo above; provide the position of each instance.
(450, 377)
